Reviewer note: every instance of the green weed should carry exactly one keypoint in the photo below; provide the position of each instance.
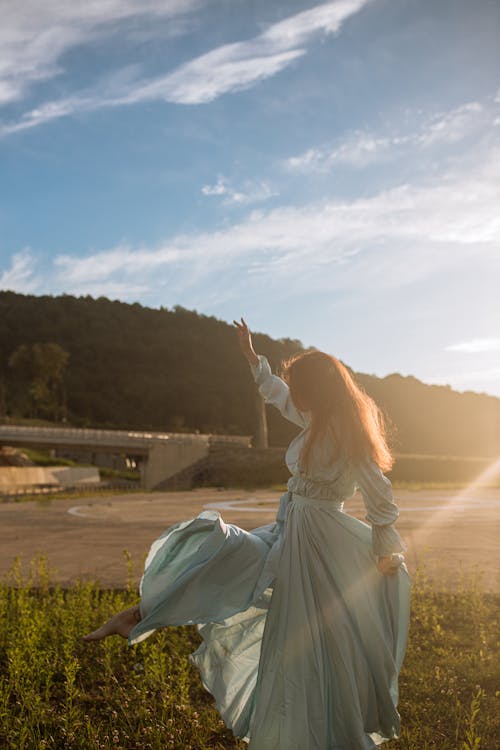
(57, 691)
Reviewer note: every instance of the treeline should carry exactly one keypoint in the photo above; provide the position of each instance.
(105, 363)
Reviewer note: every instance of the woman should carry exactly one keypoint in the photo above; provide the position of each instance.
(304, 621)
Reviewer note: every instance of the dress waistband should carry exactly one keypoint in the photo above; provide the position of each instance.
(333, 503)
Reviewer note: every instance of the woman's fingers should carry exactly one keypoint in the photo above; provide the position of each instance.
(242, 327)
(244, 335)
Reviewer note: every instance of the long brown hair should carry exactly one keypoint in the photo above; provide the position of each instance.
(321, 384)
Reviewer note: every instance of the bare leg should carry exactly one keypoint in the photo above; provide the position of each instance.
(120, 624)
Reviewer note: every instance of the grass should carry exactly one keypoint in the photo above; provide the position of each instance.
(106, 472)
(404, 484)
(45, 458)
(58, 692)
(45, 498)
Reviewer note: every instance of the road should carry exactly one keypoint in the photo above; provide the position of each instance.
(446, 530)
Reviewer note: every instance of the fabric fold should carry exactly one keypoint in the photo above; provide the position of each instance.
(386, 540)
(189, 574)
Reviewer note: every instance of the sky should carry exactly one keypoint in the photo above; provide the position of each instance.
(329, 171)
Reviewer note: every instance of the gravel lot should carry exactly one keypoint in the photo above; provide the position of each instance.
(85, 537)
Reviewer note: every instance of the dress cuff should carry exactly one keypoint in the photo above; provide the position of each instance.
(386, 540)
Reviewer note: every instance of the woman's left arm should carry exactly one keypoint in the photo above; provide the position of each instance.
(382, 511)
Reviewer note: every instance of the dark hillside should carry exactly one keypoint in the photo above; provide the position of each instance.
(131, 366)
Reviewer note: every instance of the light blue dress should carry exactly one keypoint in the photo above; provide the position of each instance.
(303, 637)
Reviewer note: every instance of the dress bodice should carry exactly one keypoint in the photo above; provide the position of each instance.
(332, 481)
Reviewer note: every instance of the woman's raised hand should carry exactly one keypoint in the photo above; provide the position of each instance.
(245, 339)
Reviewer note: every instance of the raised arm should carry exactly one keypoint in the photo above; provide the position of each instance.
(277, 392)
(382, 511)
(272, 387)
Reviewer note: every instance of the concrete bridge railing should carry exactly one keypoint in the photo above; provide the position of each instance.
(164, 453)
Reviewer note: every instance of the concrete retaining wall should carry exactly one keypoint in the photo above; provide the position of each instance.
(15, 476)
(238, 466)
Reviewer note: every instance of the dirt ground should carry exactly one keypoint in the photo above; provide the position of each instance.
(448, 530)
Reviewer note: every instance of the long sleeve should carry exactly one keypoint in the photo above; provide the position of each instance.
(276, 392)
(382, 511)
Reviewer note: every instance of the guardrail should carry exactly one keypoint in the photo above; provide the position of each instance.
(116, 438)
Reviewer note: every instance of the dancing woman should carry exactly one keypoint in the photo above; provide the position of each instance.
(304, 621)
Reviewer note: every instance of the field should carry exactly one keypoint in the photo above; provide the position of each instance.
(58, 692)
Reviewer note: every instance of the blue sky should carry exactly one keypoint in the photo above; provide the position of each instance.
(328, 171)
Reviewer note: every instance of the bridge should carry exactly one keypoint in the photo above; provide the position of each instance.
(161, 454)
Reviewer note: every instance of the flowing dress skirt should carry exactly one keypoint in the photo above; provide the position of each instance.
(303, 638)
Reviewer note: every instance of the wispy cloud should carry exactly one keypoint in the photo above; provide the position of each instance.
(20, 276)
(476, 345)
(35, 35)
(397, 237)
(228, 68)
(361, 148)
(358, 150)
(238, 65)
(250, 191)
(451, 126)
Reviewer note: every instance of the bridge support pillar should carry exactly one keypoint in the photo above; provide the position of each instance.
(164, 460)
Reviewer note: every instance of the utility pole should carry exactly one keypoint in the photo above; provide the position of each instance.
(261, 439)
(3, 404)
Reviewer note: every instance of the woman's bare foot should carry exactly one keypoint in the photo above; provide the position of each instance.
(120, 624)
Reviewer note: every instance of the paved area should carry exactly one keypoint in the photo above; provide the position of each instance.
(85, 538)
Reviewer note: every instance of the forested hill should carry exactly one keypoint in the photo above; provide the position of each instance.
(118, 365)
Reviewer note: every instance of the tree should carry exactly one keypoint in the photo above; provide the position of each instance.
(40, 368)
